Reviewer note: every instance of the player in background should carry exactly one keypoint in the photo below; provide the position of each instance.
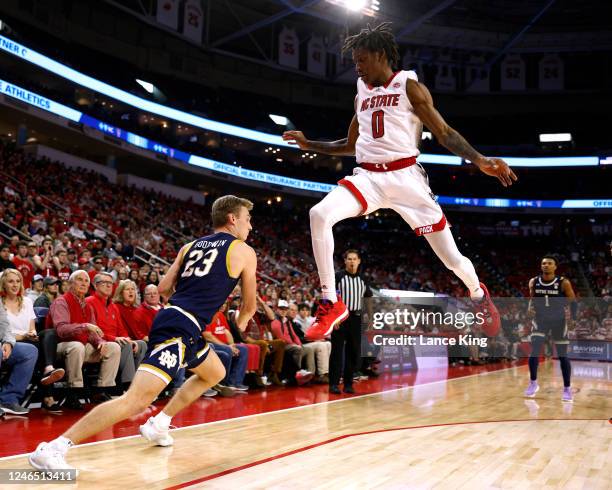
(550, 296)
(390, 109)
(199, 281)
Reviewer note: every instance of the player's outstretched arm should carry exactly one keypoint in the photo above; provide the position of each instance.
(423, 106)
(244, 261)
(168, 281)
(343, 147)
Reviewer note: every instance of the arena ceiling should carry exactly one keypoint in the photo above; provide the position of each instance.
(249, 27)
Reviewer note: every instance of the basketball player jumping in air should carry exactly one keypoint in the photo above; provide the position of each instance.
(199, 281)
(390, 110)
(550, 295)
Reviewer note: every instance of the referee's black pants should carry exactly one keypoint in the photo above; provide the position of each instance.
(347, 340)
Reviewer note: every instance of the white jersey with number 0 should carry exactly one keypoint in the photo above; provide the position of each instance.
(388, 127)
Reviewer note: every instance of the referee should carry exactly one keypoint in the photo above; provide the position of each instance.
(353, 288)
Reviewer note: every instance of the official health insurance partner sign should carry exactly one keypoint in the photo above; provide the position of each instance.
(12, 47)
(38, 101)
(245, 173)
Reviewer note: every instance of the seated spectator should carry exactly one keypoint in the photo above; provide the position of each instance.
(107, 318)
(61, 265)
(81, 340)
(319, 350)
(50, 292)
(23, 265)
(40, 263)
(127, 302)
(37, 288)
(73, 261)
(282, 328)
(147, 311)
(16, 315)
(153, 278)
(218, 335)
(258, 334)
(304, 317)
(21, 319)
(5, 257)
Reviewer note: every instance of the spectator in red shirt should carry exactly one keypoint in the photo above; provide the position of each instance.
(148, 310)
(23, 265)
(282, 328)
(98, 266)
(127, 302)
(81, 340)
(61, 265)
(107, 318)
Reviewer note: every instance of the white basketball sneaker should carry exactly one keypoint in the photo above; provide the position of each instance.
(158, 436)
(49, 457)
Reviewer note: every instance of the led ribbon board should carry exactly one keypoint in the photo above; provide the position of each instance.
(46, 104)
(42, 61)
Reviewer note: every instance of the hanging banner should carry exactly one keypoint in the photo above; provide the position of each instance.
(316, 56)
(167, 13)
(412, 62)
(193, 20)
(513, 72)
(552, 72)
(288, 48)
(446, 80)
(477, 75)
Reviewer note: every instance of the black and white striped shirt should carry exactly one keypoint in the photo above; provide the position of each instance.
(353, 288)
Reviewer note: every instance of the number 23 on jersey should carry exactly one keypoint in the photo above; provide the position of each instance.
(199, 262)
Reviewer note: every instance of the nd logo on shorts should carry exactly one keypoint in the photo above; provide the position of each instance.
(165, 359)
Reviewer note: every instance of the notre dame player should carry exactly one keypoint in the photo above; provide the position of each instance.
(550, 296)
(199, 281)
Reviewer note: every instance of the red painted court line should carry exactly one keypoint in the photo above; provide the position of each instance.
(346, 436)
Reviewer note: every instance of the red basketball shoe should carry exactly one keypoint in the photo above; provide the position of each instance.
(328, 316)
(492, 319)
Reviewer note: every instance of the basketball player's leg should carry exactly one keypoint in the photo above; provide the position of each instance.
(207, 374)
(410, 196)
(566, 367)
(444, 245)
(338, 205)
(537, 342)
(561, 341)
(143, 390)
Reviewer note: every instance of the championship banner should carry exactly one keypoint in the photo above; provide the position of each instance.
(552, 73)
(513, 72)
(288, 48)
(167, 13)
(193, 20)
(411, 61)
(445, 78)
(477, 75)
(316, 56)
(446, 74)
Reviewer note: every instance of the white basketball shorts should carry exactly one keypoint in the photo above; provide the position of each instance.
(406, 191)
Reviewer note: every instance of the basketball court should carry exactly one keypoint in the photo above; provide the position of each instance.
(420, 431)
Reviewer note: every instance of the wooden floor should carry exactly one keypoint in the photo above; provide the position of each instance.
(464, 433)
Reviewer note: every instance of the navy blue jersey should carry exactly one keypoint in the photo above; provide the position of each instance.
(204, 279)
(550, 299)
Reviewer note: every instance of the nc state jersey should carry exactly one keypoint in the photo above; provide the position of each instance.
(388, 127)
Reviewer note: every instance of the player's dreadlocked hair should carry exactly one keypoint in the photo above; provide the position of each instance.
(379, 38)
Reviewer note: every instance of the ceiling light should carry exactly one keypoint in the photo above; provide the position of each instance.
(280, 120)
(148, 86)
(555, 137)
(355, 5)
